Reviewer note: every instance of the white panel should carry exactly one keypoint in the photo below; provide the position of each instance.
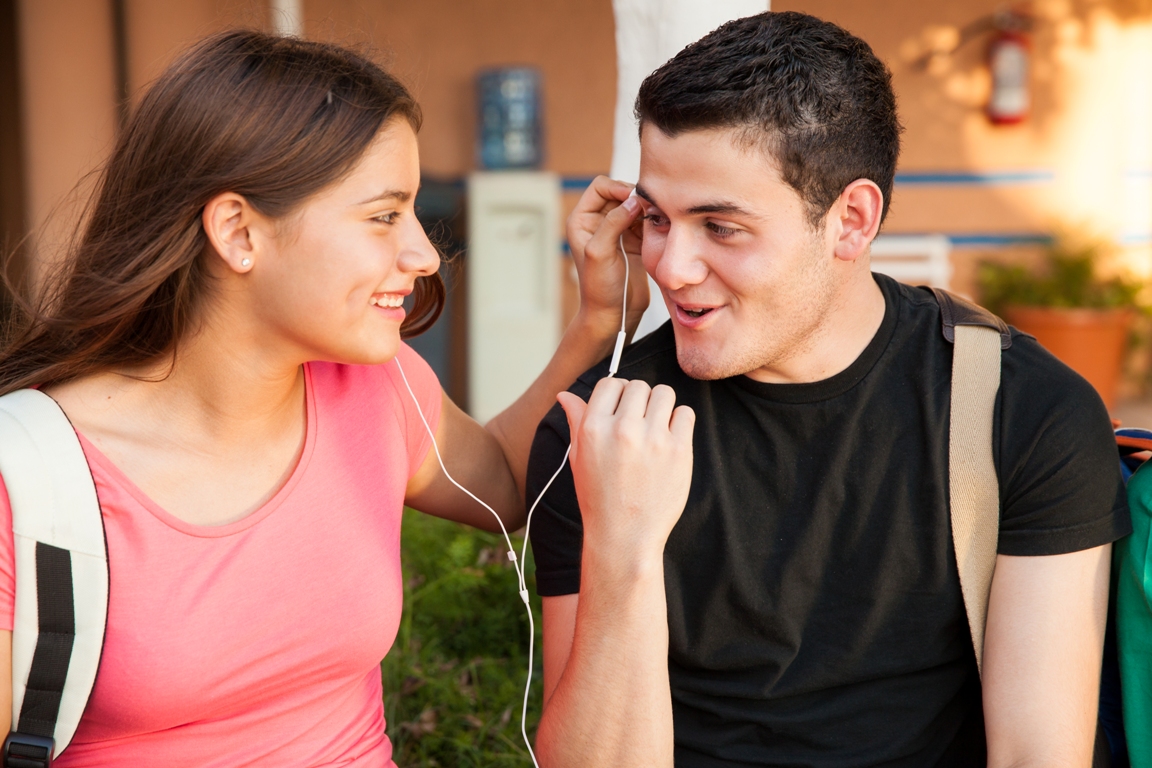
(513, 284)
(913, 259)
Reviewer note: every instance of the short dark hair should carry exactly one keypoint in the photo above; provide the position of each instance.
(814, 95)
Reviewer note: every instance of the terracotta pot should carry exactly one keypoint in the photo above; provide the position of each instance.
(1089, 341)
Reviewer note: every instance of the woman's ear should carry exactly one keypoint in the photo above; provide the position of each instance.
(858, 211)
(231, 226)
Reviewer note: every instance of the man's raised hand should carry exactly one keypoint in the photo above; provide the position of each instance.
(631, 464)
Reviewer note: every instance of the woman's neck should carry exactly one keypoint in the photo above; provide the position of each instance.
(209, 435)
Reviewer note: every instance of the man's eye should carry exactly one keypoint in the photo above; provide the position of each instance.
(721, 231)
(655, 220)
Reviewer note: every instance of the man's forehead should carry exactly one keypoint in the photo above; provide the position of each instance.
(713, 170)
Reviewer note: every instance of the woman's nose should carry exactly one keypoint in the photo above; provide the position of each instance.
(418, 254)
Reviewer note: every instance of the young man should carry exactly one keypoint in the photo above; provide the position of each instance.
(805, 608)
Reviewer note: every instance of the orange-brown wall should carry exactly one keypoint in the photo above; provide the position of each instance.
(437, 46)
(156, 30)
(1089, 136)
(69, 90)
(69, 107)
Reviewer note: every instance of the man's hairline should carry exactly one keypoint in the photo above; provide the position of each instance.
(749, 137)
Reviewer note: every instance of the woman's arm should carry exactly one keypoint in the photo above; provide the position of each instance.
(492, 461)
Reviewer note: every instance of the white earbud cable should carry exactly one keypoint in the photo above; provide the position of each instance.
(518, 563)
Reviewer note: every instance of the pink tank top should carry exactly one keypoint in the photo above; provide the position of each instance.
(259, 642)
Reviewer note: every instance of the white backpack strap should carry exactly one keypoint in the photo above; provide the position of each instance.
(61, 570)
(978, 337)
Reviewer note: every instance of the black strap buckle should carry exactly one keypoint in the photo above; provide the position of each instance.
(23, 750)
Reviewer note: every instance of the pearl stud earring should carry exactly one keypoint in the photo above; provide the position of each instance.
(246, 262)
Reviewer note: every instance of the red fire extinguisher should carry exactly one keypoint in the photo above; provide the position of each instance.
(1009, 55)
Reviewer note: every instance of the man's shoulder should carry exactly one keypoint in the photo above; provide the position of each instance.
(1027, 369)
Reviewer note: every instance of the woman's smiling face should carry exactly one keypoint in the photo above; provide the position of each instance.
(344, 262)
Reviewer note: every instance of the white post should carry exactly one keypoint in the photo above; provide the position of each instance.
(288, 17)
(649, 33)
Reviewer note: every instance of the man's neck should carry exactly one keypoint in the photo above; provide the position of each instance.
(855, 314)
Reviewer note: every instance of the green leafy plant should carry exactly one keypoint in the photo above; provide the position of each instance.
(1068, 278)
(454, 679)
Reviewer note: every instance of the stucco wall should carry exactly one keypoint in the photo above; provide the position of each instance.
(1082, 160)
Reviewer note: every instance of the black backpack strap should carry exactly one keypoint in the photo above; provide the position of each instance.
(956, 311)
(32, 743)
(61, 577)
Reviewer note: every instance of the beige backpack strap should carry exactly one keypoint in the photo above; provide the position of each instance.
(978, 337)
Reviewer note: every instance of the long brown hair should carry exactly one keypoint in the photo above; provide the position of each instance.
(272, 119)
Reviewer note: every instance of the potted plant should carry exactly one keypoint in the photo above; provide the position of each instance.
(1076, 314)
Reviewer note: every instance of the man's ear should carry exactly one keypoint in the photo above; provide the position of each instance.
(858, 212)
(230, 224)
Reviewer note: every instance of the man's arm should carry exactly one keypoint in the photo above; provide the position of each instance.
(607, 697)
(1042, 652)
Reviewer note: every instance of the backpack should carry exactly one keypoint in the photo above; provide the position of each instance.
(978, 337)
(61, 577)
(1133, 445)
(62, 561)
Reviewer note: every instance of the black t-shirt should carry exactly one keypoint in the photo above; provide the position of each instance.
(814, 604)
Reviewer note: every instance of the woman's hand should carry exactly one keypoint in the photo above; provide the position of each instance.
(631, 463)
(604, 214)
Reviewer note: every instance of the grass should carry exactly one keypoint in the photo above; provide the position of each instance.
(454, 679)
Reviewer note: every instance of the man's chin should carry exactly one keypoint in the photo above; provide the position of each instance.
(707, 365)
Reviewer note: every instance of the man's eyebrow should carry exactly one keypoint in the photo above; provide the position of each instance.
(398, 195)
(720, 206)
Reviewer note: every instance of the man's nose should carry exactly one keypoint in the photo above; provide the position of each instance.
(680, 263)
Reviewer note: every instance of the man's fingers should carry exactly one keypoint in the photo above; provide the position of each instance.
(604, 244)
(599, 192)
(606, 397)
(574, 409)
(683, 422)
(660, 405)
(634, 401)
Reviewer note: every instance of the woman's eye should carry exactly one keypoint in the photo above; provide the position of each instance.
(386, 218)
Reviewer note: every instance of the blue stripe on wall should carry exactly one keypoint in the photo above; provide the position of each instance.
(575, 183)
(985, 240)
(972, 179)
(910, 178)
(962, 240)
(933, 178)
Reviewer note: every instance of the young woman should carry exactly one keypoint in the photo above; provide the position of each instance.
(225, 338)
